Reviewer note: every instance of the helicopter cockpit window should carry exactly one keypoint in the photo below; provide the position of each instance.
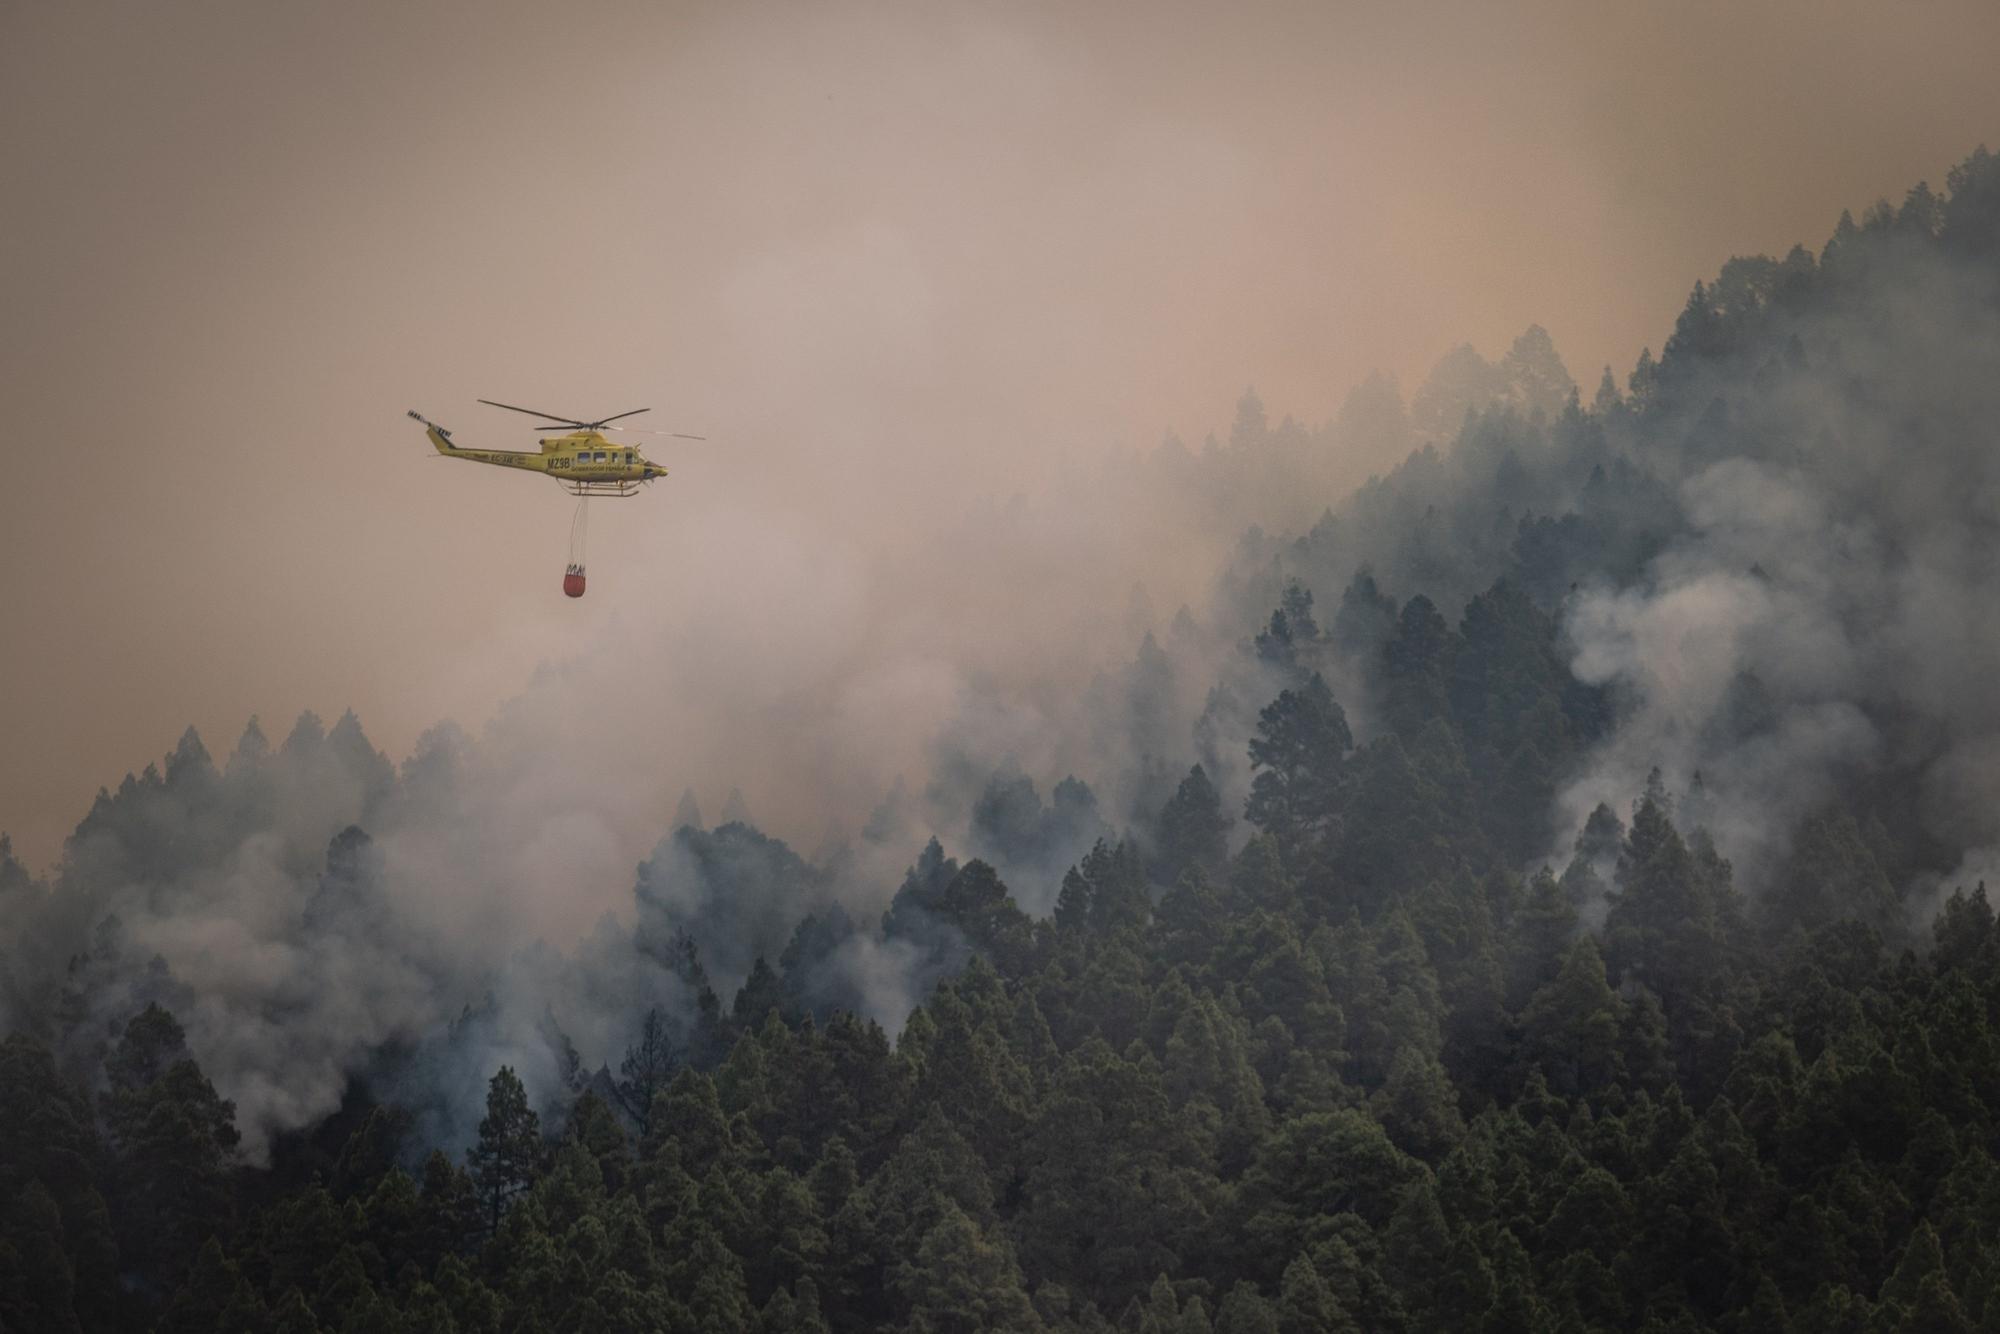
(628, 456)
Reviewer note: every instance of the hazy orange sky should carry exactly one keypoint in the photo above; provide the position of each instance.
(891, 258)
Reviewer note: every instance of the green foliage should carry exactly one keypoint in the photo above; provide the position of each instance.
(1299, 755)
(1194, 831)
(1572, 1027)
(510, 1144)
(1260, 1107)
(958, 1281)
(1833, 875)
(173, 1144)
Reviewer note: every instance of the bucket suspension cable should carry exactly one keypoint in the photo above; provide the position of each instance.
(579, 533)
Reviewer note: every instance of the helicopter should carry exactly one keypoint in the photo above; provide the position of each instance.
(579, 457)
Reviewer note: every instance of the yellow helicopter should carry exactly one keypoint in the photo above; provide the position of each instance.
(579, 457)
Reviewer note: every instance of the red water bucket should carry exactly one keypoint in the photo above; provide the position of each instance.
(573, 581)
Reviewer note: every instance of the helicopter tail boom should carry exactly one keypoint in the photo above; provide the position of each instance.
(441, 440)
(439, 437)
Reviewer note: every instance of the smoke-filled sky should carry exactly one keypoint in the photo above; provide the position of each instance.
(898, 262)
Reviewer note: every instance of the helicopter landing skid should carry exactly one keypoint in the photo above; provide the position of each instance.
(577, 488)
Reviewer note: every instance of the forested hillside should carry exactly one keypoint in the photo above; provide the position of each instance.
(1540, 892)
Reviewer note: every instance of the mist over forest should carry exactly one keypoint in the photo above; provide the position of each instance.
(1537, 886)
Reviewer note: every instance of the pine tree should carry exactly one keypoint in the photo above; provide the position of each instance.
(1936, 1309)
(1416, 667)
(649, 1064)
(1299, 755)
(1118, 898)
(1245, 1311)
(1194, 832)
(175, 1142)
(510, 1144)
(1537, 381)
(1608, 399)
(1572, 1026)
(1307, 1306)
(37, 1285)
(1418, 1106)
(1962, 929)
(758, 996)
(959, 1281)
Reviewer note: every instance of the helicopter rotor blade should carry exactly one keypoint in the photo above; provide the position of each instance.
(567, 421)
(633, 413)
(647, 430)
